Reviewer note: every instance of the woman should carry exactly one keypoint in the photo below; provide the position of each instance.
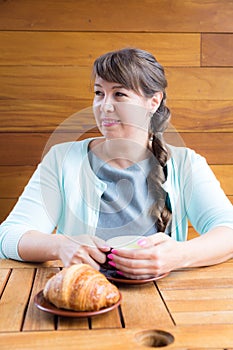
(126, 182)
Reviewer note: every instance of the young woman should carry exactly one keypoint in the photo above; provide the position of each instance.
(128, 182)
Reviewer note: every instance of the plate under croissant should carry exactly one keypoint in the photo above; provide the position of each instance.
(46, 306)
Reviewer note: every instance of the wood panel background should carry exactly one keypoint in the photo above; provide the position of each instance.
(46, 52)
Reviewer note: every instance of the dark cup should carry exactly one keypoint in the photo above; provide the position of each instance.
(106, 265)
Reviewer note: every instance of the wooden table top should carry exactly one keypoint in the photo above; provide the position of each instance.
(192, 309)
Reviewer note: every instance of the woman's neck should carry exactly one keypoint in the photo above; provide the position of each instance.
(120, 153)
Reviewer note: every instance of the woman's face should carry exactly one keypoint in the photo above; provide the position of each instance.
(121, 113)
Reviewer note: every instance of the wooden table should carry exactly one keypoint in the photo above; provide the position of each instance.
(195, 306)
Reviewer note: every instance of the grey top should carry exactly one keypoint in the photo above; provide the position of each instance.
(125, 203)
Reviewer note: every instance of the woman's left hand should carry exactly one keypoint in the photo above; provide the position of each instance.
(158, 254)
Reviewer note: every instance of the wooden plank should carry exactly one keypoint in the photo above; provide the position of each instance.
(201, 306)
(211, 306)
(60, 48)
(62, 83)
(14, 264)
(36, 319)
(206, 317)
(28, 148)
(144, 308)
(224, 175)
(110, 320)
(198, 294)
(40, 115)
(201, 115)
(46, 115)
(4, 275)
(198, 337)
(172, 16)
(6, 205)
(13, 179)
(217, 50)
(209, 145)
(199, 278)
(72, 323)
(45, 82)
(200, 83)
(13, 303)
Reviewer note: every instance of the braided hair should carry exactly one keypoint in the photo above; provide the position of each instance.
(138, 70)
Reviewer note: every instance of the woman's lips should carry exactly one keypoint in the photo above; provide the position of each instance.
(110, 122)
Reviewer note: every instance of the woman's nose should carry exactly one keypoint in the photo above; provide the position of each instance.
(107, 107)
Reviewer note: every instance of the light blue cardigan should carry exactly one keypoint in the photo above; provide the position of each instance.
(65, 193)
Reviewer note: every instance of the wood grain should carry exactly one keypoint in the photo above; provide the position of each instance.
(35, 319)
(40, 115)
(13, 179)
(200, 337)
(168, 16)
(63, 48)
(13, 304)
(199, 300)
(213, 296)
(70, 82)
(4, 275)
(149, 300)
(224, 175)
(6, 205)
(217, 50)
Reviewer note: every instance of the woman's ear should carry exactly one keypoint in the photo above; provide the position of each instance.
(156, 100)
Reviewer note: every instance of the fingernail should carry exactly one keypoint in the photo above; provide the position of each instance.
(114, 251)
(120, 273)
(112, 263)
(141, 242)
(110, 256)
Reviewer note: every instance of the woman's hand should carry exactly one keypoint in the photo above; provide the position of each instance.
(82, 249)
(158, 254)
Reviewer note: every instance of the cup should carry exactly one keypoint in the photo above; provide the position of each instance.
(124, 242)
(120, 242)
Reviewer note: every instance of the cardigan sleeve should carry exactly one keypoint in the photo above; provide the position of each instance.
(38, 208)
(206, 204)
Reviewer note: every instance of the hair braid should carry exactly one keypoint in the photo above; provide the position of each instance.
(157, 176)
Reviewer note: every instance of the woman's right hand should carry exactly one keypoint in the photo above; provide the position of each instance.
(82, 249)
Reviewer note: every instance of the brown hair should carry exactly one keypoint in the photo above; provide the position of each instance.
(138, 70)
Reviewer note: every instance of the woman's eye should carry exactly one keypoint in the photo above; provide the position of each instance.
(120, 94)
(98, 93)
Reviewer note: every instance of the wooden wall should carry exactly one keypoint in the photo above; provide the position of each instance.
(46, 52)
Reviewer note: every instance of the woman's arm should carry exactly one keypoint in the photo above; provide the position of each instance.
(39, 247)
(160, 254)
(38, 208)
(210, 248)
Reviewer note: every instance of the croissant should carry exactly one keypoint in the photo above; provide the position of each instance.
(80, 288)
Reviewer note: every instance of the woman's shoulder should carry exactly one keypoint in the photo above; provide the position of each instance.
(183, 153)
(64, 154)
(184, 159)
(77, 148)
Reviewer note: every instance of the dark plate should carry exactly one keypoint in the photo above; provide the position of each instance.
(46, 306)
(115, 277)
